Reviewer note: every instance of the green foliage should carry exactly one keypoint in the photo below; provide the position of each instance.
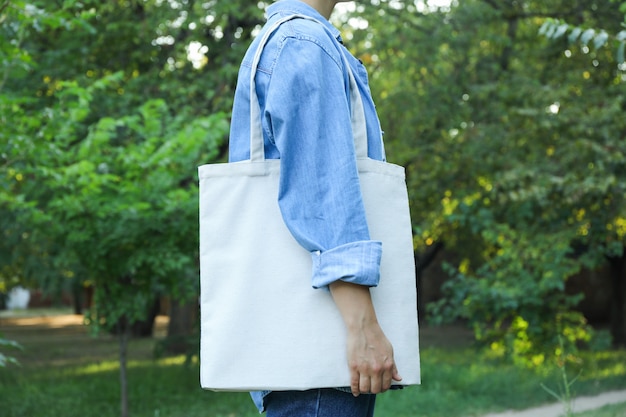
(458, 382)
(556, 28)
(515, 155)
(105, 116)
(106, 109)
(515, 300)
(565, 388)
(5, 359)
(127, 188)
(104, 120)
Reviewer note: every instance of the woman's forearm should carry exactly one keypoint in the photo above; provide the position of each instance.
(370, 354)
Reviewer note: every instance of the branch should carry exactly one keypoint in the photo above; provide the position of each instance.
(428, 256)
(493, 4)
(511, 32)
(510, 14)
(18, 45)
(553, 15)
(8, 162)
(4, 6)
(400, 15)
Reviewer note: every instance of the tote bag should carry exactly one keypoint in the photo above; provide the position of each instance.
(263, 327)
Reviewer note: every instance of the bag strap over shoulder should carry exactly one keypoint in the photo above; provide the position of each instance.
(359, 127)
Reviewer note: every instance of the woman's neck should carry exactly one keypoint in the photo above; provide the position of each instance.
(324, 7)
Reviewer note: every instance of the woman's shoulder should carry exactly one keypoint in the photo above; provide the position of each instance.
(308, 34)
(306, 28)
(303, 37)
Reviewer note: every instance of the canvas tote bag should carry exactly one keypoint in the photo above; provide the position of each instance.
(263, 327)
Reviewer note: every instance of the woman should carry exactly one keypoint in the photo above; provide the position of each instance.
(302, 83)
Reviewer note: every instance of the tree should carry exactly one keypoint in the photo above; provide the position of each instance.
(554, 29)
(106, 113)
(514, 155)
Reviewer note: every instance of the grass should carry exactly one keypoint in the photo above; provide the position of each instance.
(67, 373)
(462, 382)
(614, 410)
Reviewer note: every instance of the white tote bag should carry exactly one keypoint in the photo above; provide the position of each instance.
(263, 327)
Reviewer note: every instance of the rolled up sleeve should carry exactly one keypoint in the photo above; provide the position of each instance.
(356, 262)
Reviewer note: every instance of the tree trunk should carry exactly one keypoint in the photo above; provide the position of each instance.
(422, 261)
(77, 297)
(145, 328)
(123, 331)
(618, 307)
(181, 327)
(141, 328)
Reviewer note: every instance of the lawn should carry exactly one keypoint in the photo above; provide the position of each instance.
(65, 372)
(614, 410)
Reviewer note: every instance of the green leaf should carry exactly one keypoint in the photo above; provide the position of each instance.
(546, 26)
(574, 34)
(587, 36)
(560, 31)
(551, 29)
(5, 360)
(600, 39)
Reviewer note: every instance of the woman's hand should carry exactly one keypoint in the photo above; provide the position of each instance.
(370, 354)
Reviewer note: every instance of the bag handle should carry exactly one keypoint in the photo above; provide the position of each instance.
(359, 127)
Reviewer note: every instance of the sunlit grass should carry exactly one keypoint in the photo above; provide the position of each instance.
(456, 383)
(75, 375)
(466, 382)
(108, 366)
(614, 410)
(613, 370)
(95, 368)
(601, 365)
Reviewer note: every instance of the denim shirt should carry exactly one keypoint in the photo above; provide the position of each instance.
(303, 89)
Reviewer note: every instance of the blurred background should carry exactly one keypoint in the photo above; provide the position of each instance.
(507, 114)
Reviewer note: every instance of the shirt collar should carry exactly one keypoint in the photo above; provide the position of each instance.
(287, 7)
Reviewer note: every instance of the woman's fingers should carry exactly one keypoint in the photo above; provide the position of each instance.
(369, 377)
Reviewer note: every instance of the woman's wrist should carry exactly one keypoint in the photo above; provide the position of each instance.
(355, 305)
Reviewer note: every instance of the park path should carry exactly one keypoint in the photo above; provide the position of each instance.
(579, 405)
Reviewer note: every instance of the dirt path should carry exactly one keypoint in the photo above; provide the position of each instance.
(55, 337)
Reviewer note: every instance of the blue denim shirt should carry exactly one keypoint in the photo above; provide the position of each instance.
(303, 90)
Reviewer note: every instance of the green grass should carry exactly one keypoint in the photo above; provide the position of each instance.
(66, 373)
(456, 383)
(462, 382)
(614, 410)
